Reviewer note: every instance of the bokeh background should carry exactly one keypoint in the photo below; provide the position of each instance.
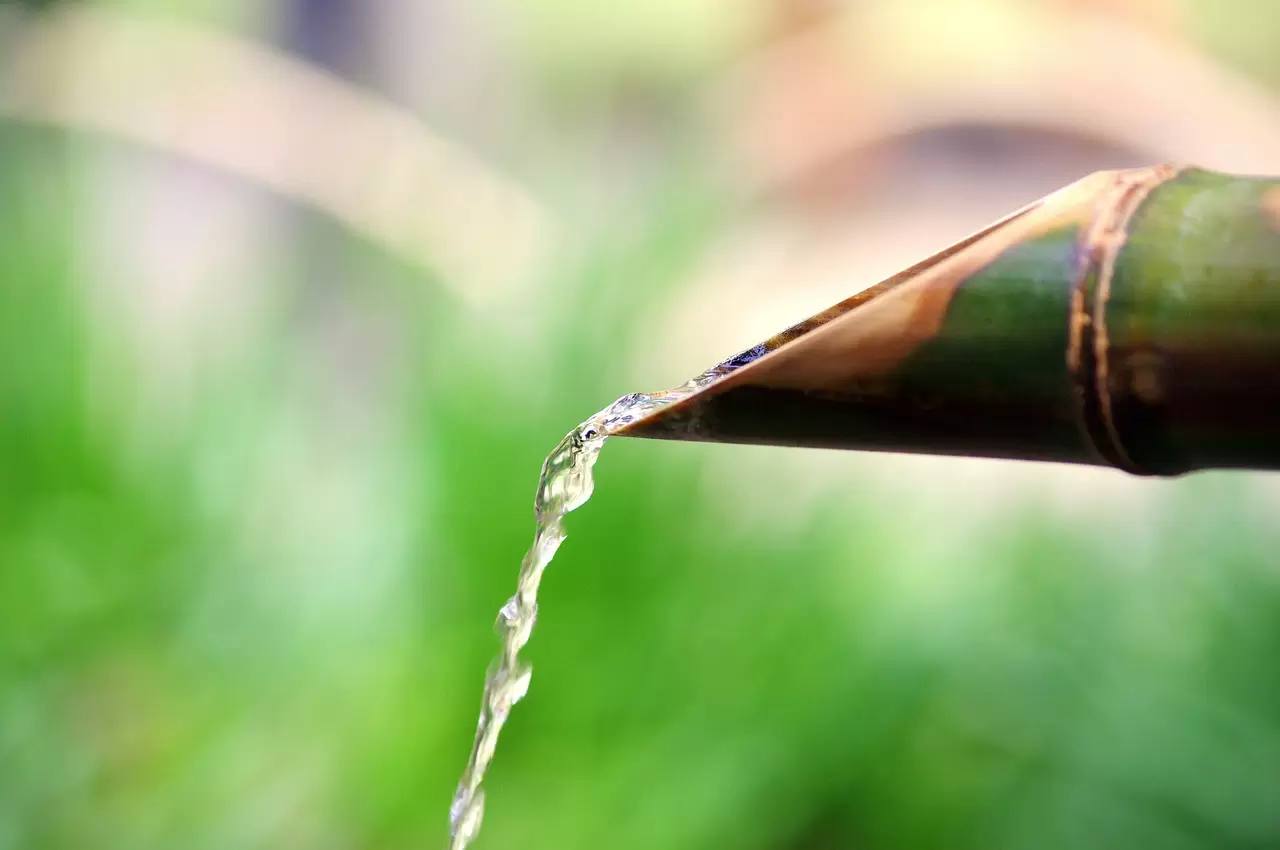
(295, 295)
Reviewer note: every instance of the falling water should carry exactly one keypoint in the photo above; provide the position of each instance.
(564, 486)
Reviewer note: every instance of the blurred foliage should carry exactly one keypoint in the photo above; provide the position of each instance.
(663, 42)
(1243, 33)
(260, 618)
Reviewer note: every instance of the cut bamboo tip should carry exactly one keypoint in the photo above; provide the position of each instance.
(1131, 320)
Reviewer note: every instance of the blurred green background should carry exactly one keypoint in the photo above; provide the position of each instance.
(296, 295)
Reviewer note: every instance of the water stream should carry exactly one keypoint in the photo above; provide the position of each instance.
(565, 484)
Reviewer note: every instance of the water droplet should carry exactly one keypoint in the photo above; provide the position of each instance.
(510, 611)
(509, 687)
(467, 825)
(514, 624)
(459, 805)
(519, 687)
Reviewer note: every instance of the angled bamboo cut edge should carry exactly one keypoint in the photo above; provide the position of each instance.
(1130, 320)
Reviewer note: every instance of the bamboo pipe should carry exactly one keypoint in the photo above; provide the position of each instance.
(1131, 319)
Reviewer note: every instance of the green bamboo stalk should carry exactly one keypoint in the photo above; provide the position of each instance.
(1129, 320)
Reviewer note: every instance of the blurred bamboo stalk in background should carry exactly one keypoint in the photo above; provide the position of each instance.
(850, 82)
(1129, 320)
(280, 123)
